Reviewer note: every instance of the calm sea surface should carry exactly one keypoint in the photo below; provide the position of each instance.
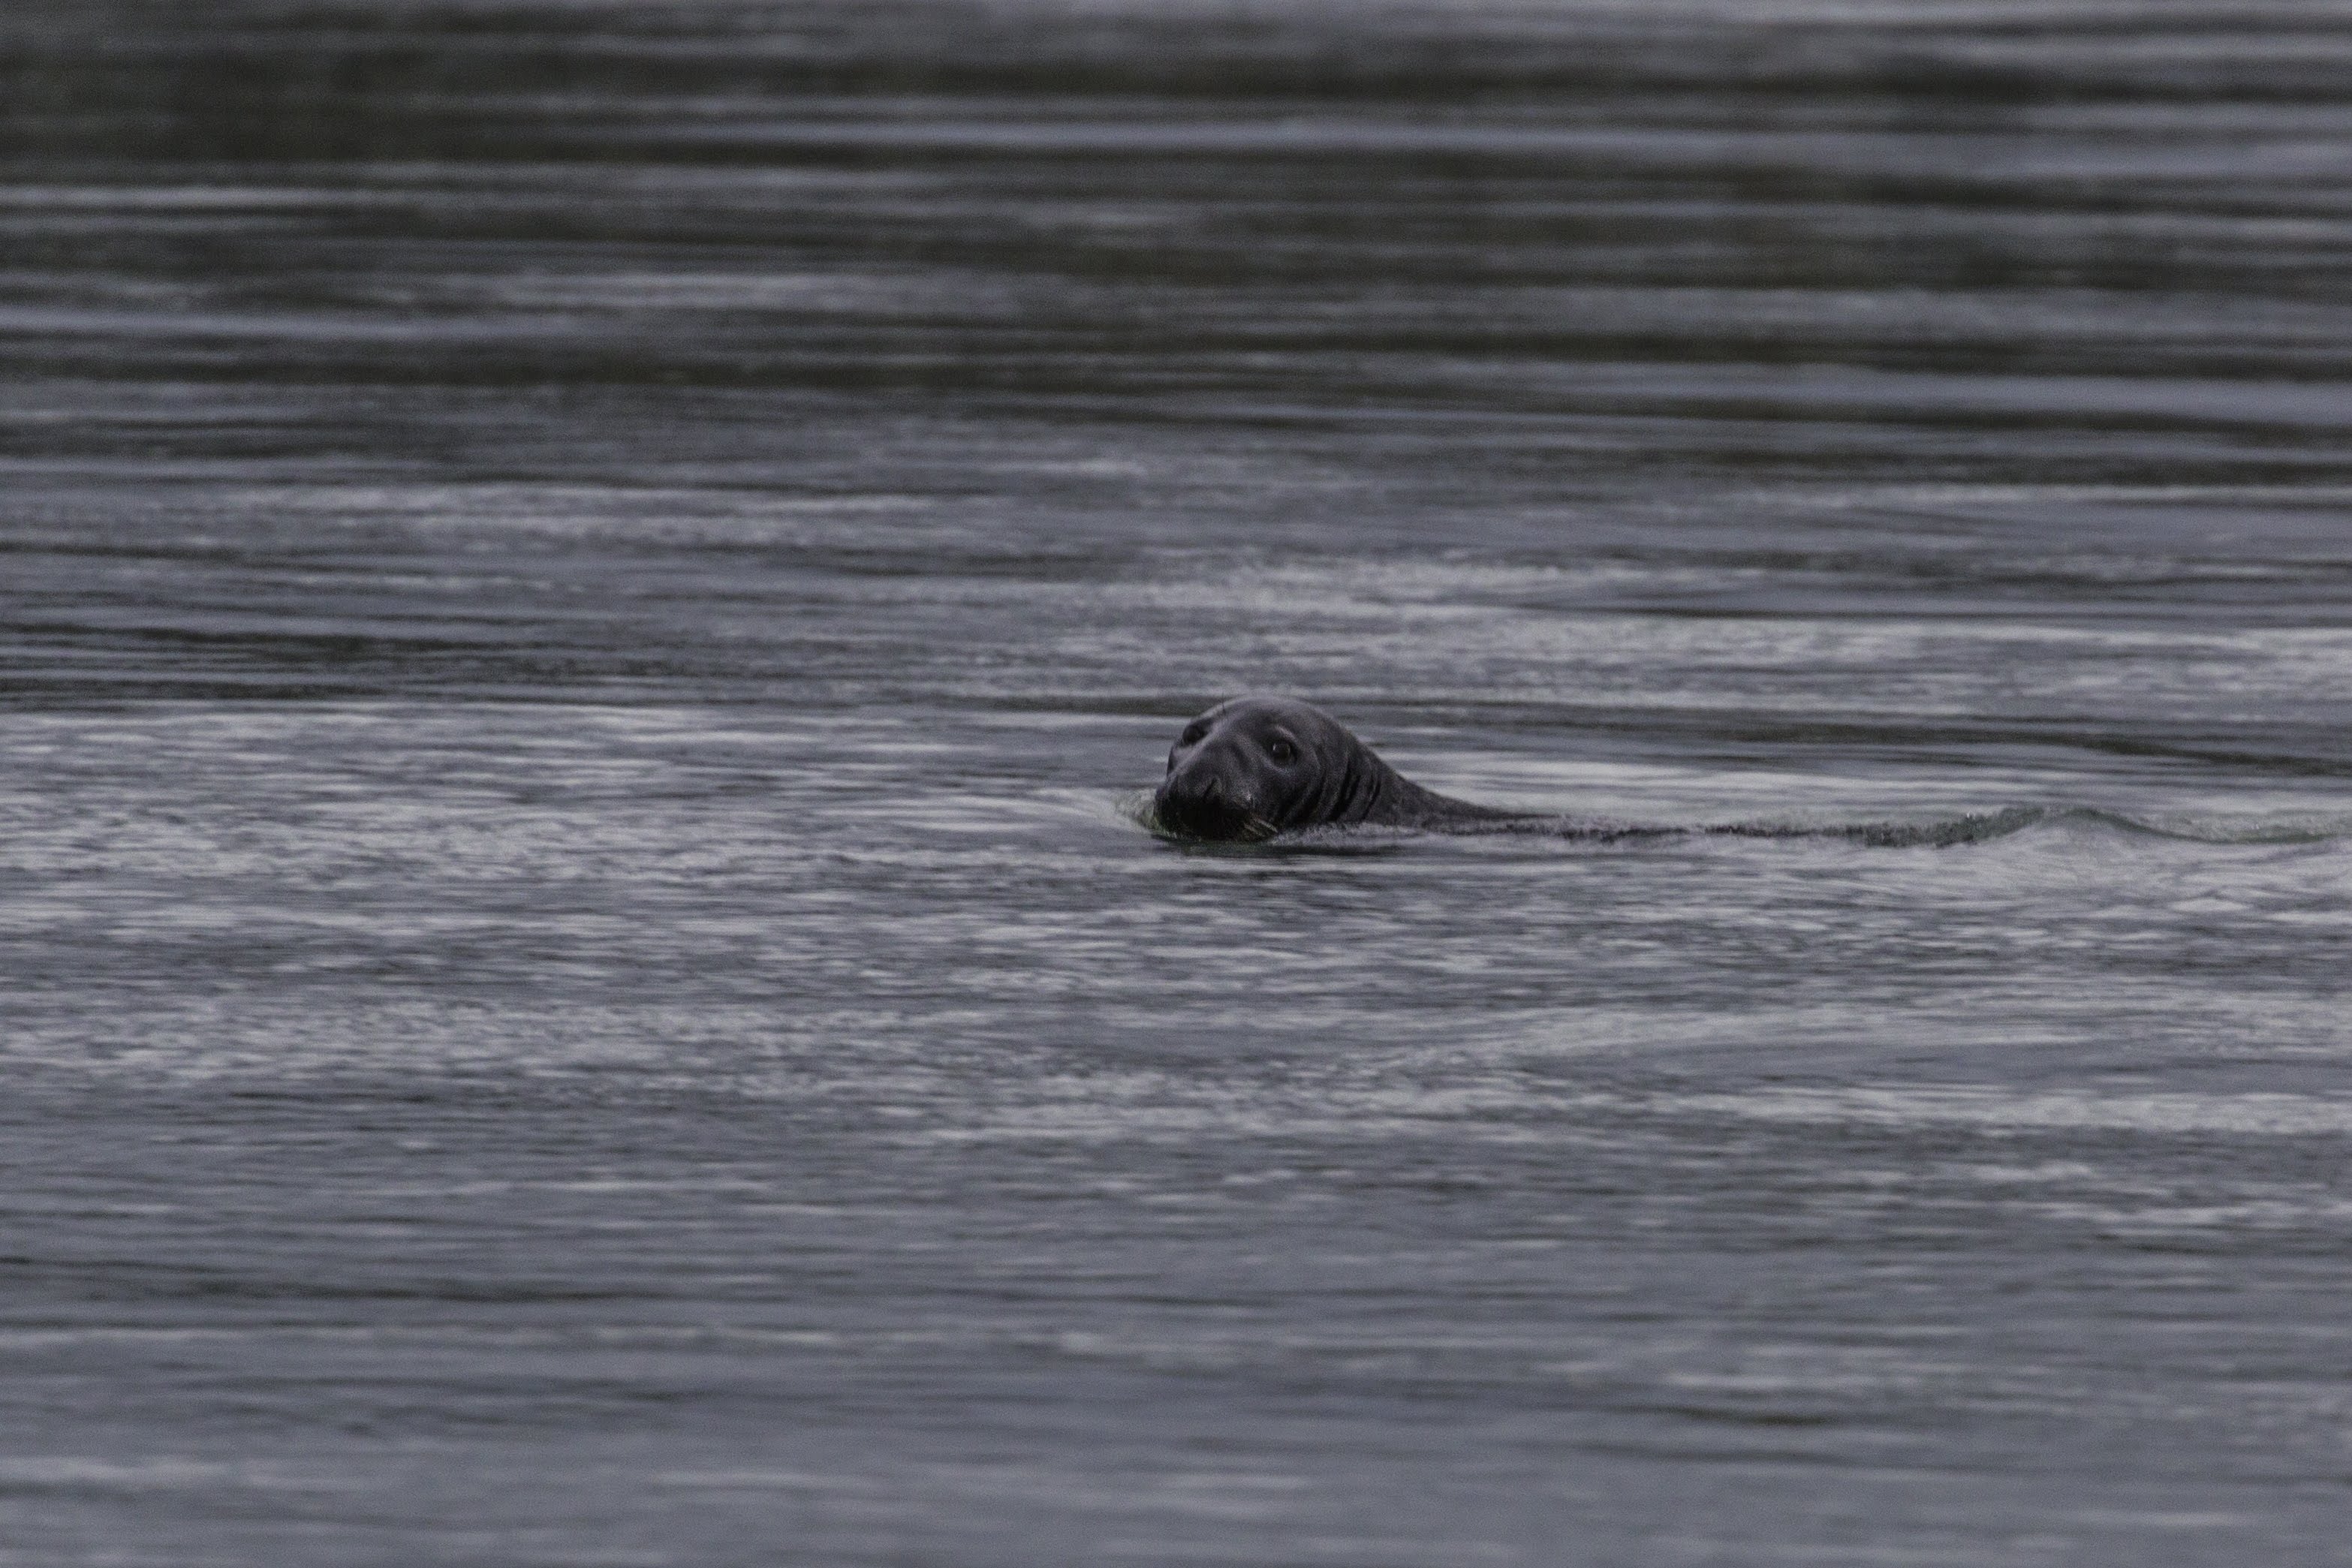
(587, 590)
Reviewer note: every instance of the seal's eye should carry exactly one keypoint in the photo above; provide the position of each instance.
(1194, 732)
(1282, 750)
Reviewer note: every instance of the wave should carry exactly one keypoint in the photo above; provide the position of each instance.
(1983, 827)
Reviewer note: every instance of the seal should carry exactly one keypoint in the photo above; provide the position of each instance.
(1261, 766)
(1258, 766)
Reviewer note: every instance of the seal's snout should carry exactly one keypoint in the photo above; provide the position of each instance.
(1194, 800)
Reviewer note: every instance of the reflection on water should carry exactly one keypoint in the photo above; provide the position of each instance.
(586, 590)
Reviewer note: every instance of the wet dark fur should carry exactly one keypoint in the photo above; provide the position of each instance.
(1257, 766)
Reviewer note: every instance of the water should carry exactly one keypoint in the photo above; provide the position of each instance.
(586, 590)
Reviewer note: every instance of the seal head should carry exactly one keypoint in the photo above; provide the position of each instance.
(1258, 766)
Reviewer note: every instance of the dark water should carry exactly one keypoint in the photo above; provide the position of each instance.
(585, 589)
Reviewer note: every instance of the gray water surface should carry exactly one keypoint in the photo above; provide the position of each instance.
(587, 592)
